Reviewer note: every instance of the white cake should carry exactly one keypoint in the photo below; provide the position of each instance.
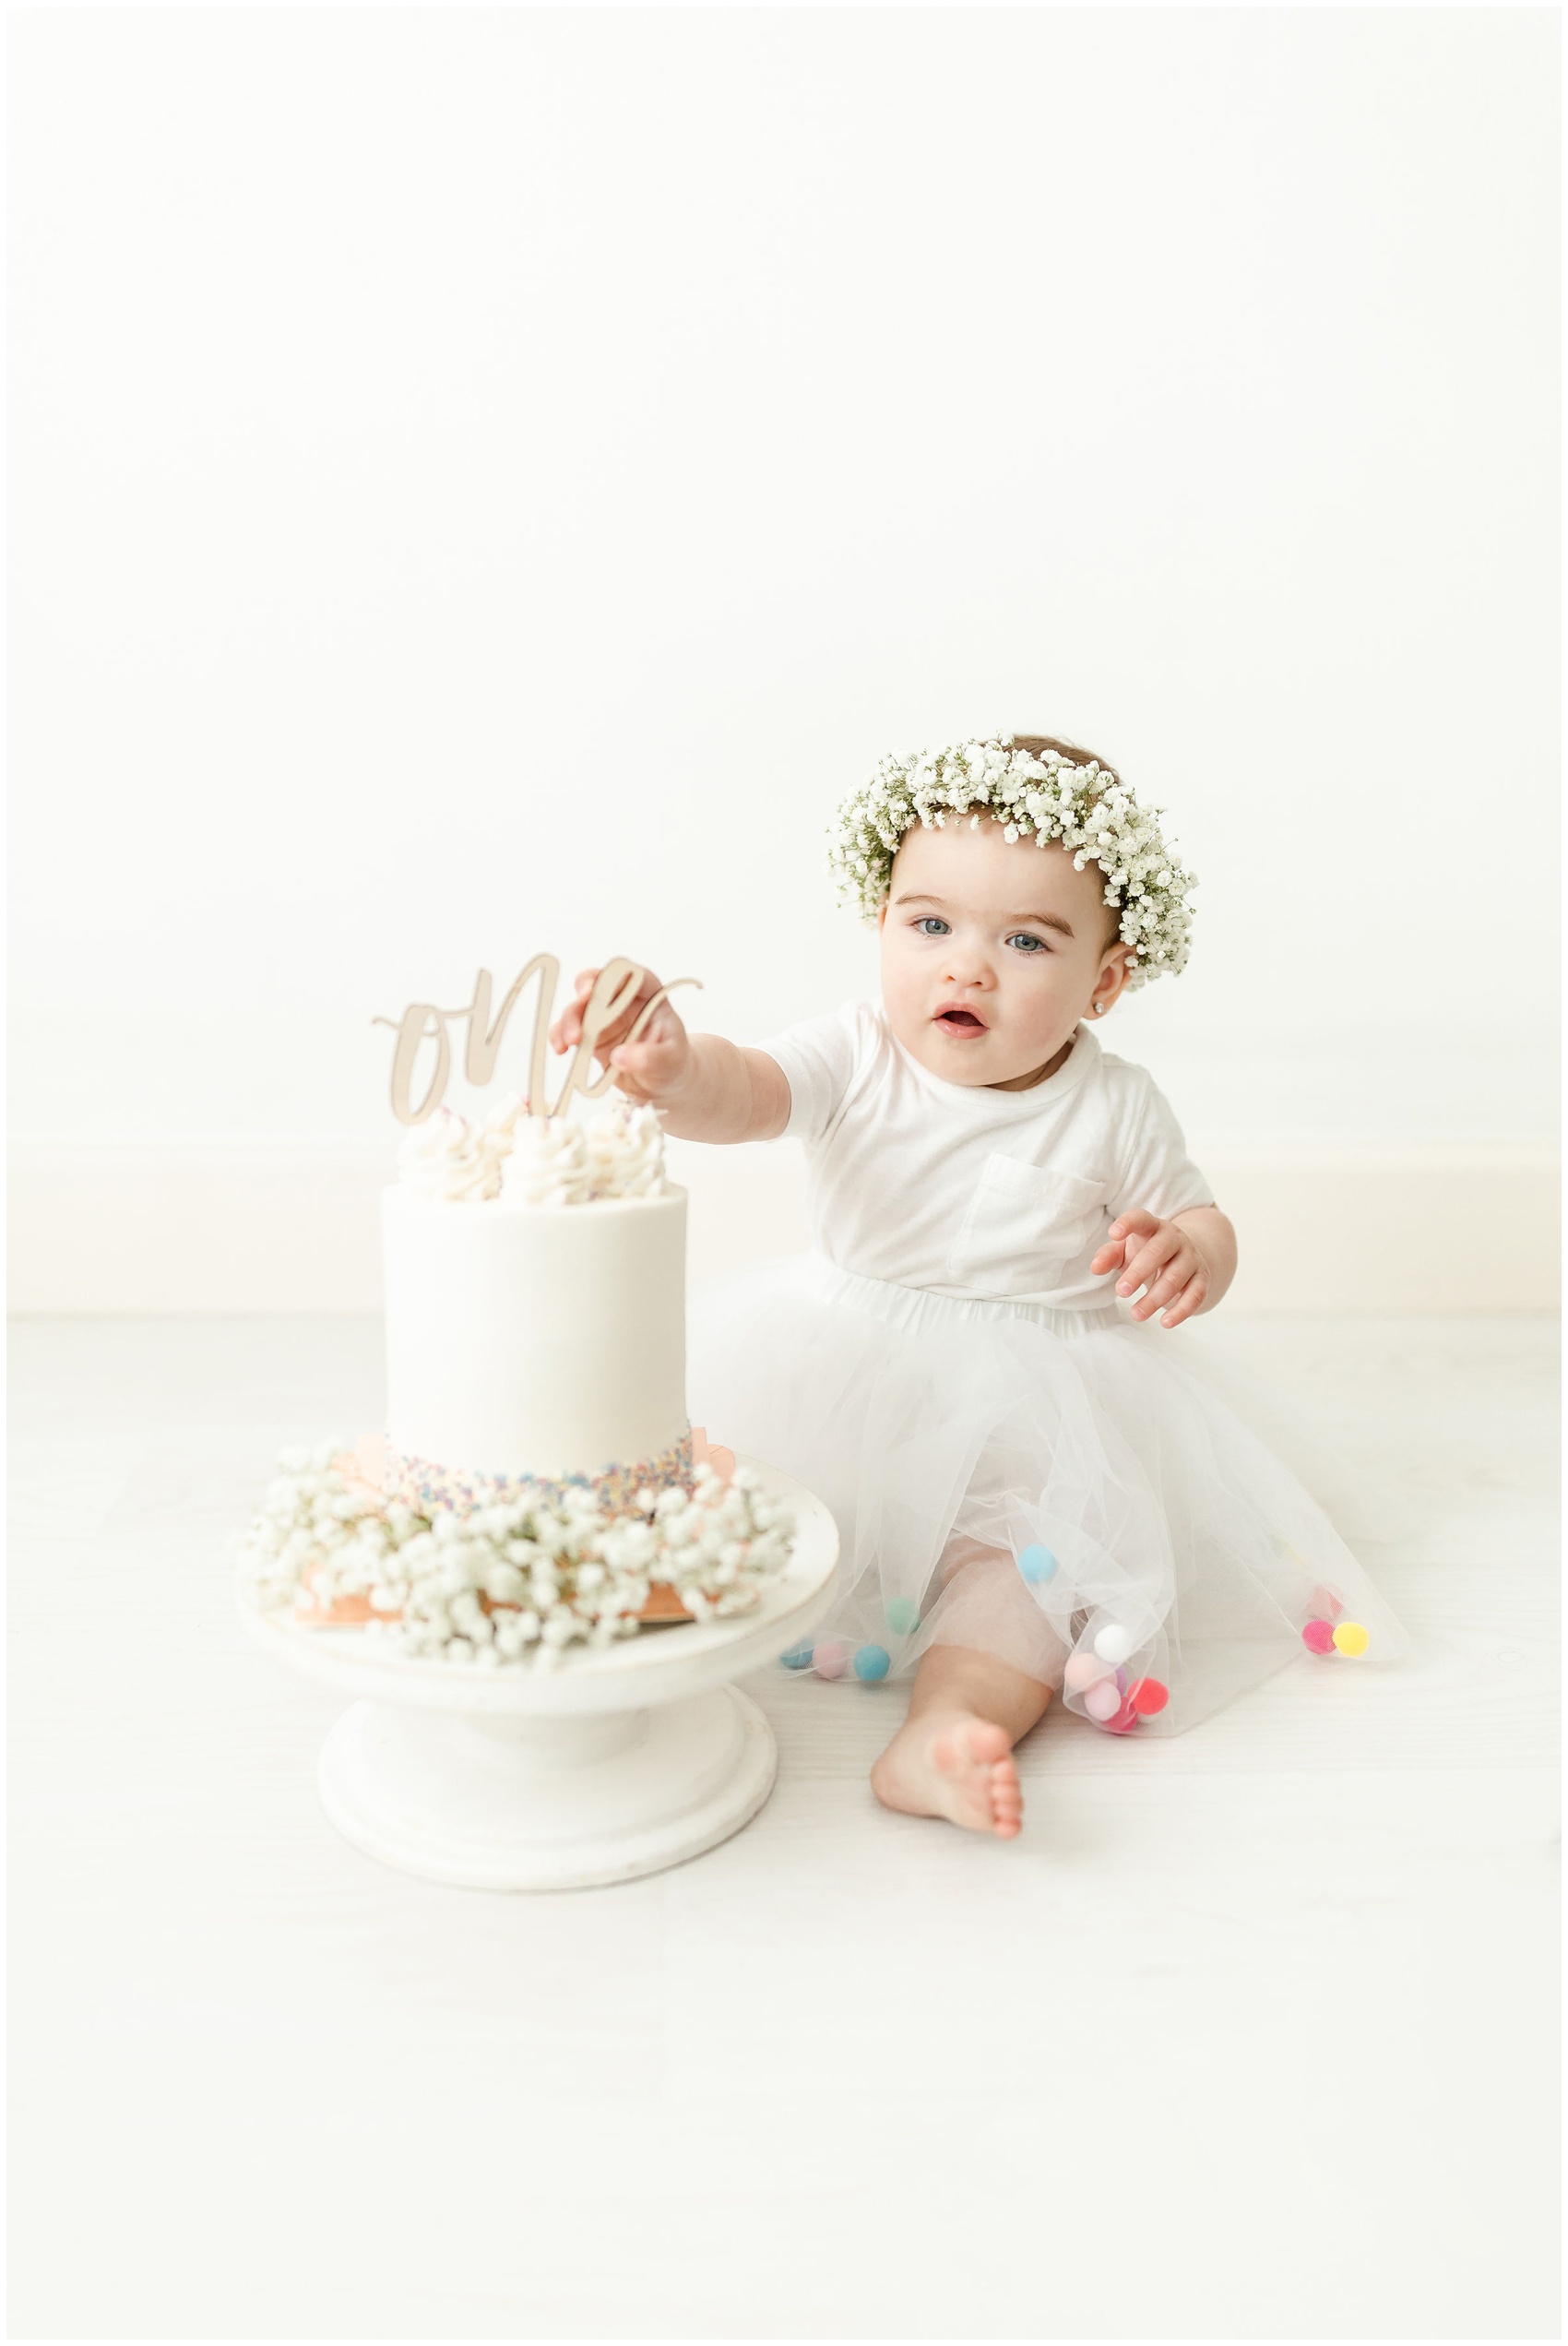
(537, 1486)
(531, 1340)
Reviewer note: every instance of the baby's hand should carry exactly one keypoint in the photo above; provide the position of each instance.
(1160, 1255)
(655, 1066)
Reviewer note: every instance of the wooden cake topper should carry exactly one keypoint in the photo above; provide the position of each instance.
(615, 991)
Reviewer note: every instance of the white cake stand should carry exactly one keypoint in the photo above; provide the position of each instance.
(618, 1763)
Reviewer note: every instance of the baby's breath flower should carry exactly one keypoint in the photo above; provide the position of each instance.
(510, 1585)
(1088, 808)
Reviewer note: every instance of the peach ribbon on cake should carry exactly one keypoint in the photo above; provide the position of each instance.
(363, 1473)
(663, 1604)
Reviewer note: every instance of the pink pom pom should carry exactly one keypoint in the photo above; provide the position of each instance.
(1147, 1696)
(1084, 1670)
(1125, 1721)
(830, 1660)
(1102, 1701)
(1319, 1637)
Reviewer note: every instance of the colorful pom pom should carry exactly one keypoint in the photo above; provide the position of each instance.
(831, 1659)
(1036, 1563)
(797, 1657)
(872, 1662)
(1112, 1643)
(1147, 1696)
(903, 1615)
(1123, 1720)
(1319, 1637)
(1102, 1701)
(1083, 1670)
(1350, 1637)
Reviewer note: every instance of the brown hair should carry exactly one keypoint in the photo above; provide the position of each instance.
(1037, 744)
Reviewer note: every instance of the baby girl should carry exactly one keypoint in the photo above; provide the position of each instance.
(1034, 1496)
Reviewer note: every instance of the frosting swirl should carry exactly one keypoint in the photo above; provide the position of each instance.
(555, 1163)
(549, 1163)
(535, 1161)
(626, 1153)
(453, 1158)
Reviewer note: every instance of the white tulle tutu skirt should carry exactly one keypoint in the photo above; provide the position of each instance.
(1062, 1489)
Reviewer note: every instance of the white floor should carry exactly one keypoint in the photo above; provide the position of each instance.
(1251, 2034)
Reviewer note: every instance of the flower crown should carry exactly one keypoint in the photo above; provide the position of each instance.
(1088, 807)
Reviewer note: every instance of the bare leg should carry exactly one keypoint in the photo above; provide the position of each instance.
(953, 1756)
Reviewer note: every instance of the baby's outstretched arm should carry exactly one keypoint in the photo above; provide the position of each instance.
(1186, 1263)
(704, 1087)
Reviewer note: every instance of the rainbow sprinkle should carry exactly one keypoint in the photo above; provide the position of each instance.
(428, 1487)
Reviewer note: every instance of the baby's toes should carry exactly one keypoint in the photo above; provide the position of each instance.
(964, 1758)
(1006, 1799)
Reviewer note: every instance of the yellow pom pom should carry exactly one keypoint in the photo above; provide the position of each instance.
(1350, 1637)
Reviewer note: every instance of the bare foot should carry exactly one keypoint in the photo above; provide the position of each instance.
(952, 1764)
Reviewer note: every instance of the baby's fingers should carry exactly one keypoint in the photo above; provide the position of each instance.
(628, 1081)
(1169, 1284)
(1189, 1301)
(643, 1070)
(568, 1026)
(1133, 1223)
(1142, 1264)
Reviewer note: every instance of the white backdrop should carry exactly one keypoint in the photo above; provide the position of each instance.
(487, 481)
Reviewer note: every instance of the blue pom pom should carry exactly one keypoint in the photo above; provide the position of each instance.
(797, 1657)
(1036, 1563)
(873, 1662)
(903, 1615)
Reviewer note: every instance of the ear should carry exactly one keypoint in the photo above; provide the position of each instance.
(1115, 965)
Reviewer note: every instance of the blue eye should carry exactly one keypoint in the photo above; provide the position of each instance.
(1029, 945)
(931, 926)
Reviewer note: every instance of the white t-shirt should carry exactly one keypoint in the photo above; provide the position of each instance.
(966, 1191)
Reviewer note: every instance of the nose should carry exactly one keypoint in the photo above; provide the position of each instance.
(966, 965)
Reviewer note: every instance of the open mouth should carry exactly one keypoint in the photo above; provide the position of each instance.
(959, 1022)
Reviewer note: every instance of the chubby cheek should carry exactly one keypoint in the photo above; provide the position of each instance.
(1030, 997)
(904, 981)
(909, 990)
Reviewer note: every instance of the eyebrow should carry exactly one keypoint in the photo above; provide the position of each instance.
(1035, 919)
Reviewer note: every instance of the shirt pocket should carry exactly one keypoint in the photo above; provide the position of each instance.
(1024, 1228)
